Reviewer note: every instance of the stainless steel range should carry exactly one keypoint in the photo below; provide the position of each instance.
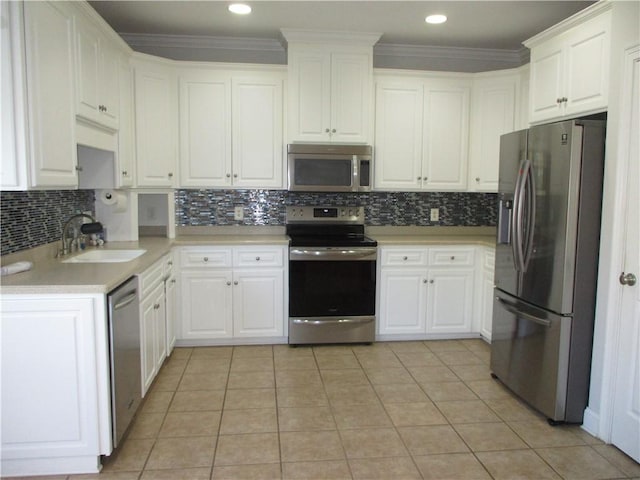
(332, 276)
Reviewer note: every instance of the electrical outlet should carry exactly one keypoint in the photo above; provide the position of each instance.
(238, 213)
(435, 214)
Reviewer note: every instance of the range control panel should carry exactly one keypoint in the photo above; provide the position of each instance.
(344, 215)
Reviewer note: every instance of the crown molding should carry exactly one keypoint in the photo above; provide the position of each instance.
(297, 35)
(202, 42)
(453, 53)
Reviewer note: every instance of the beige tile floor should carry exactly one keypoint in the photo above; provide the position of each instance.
(399, 410)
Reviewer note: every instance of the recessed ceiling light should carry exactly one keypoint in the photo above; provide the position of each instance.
(240, 8)
(434, 19)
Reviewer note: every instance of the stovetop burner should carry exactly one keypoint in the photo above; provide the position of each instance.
(327, 227)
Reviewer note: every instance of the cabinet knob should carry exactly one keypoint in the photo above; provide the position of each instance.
(405, 258)
(431, 281)
(424, 281)
(477, 179)
(235, 175)
(326, 130)
(170, 174)
(156, 306)
(125, 173)
(419, 178)
(257, 259)
(235, 283)
(78, 168)
(333, 131)
(173, 280)
(206, 259)
(228, 175)
(170, 262)
(453, 257)
(228, 283)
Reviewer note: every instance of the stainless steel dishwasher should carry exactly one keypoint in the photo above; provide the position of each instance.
(124, 348)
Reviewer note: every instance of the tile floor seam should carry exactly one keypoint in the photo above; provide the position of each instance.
(224, 399)
(275, 390)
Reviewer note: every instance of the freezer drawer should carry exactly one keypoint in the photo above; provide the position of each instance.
(530, 351)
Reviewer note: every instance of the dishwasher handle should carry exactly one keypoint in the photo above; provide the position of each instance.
(126, 300)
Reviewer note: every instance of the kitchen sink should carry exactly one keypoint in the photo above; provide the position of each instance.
(105, 256)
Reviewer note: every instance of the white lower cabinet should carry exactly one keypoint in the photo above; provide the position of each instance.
(426, 291)
(153, 322)
(231, 292)
(54, 385)
(485, 300)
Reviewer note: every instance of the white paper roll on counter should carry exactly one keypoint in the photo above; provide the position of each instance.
(15, 268)
(114, 198)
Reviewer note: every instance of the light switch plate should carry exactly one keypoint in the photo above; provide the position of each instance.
(238, 213)
(435, 214)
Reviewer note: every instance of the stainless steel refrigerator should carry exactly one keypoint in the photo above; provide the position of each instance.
(550, 190)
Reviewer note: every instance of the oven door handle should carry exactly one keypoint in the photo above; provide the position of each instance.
(306, 321)
(344, 254)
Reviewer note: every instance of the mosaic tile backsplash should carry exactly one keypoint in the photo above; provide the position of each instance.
(267, 207)
(31, 219)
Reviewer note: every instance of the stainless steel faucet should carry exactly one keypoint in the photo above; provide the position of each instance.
(66, 246)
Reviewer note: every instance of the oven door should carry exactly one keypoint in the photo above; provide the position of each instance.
(332, 294)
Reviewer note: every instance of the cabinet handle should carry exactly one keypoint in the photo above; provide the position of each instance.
(156, 306)
(78, 168)
(235, 283)
(124, 173)
(206, 259)
(564, 99)
(173, 280)
(257, 259)
(170, 262)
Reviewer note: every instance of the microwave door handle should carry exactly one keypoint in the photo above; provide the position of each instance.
(355, 161)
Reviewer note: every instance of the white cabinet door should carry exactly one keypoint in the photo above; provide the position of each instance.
(486, 292)
(155, 93)
(309, 96)
(205, 129)
(258, 303)
(206, 297)
(546, 81)
(51, 380)
(148, 341)
(446, 135)
(51, 93)
(126, 137)
(350, 97)
(171, 304)
(570, 72)
(398, 136)
(449, 300)
(97, 75)
(493, 113)
(257, 132)
(587, 66)
(160, 326)
(403, 301)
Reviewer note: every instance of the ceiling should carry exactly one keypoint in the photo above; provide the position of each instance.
(478, 24)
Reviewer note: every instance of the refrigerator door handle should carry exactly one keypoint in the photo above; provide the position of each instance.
(511, 308)
(518, 198)
(529, 187)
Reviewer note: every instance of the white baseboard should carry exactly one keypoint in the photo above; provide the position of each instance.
(591, 422)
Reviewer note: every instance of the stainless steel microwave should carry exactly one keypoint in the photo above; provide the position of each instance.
(329, 168)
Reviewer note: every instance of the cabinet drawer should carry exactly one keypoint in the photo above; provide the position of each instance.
(451, 256)
(150, 278)
(405, 256)
(205, 258)
(258, 257)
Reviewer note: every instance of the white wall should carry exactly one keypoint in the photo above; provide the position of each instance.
(625, 34)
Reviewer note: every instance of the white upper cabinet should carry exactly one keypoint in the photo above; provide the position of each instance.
(422, 133)
(205, 128)
(156, 123)
(98, 64)
(330, 86)
(257, 146)
(231, 128)
(51, 94)
(570, 66)
(398, 135)
(493, 113)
